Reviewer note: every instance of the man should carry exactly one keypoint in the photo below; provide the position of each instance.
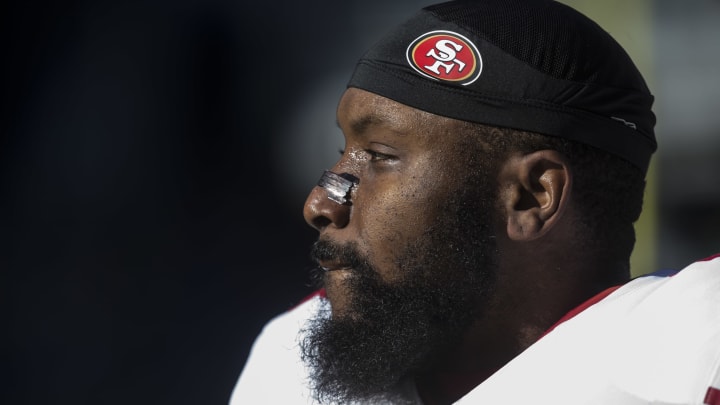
(475, 234)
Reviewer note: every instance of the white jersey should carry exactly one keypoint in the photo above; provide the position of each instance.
(655, 340)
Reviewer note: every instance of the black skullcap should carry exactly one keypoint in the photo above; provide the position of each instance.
(536, 66)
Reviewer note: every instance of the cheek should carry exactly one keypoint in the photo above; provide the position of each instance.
(395, 214)
(406, 202)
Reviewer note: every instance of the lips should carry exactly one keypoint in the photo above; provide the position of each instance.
(333, 256)
(329, 266)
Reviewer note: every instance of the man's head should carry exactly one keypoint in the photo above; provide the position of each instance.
(490, 141)
(406, 264)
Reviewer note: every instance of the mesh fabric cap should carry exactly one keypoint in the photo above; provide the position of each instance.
(537, 66)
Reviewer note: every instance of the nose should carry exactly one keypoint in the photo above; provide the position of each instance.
(321, 212)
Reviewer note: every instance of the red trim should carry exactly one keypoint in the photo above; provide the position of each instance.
(318, 293)
(585, 305)
(594, 300)
(712, 397)
(707, 259)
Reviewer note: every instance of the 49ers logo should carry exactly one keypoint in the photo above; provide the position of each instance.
(445, 55)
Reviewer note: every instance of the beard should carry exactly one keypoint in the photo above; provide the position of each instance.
(394, 331)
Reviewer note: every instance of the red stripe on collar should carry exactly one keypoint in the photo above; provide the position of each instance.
(585, 305)
(712, 397)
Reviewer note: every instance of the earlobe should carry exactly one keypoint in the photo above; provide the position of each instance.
(536, 188)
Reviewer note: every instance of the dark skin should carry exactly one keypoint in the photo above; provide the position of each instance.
(407, 162)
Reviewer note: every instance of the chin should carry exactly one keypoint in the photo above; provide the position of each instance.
(338, 292)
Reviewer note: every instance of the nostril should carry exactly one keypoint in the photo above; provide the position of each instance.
(321, 222)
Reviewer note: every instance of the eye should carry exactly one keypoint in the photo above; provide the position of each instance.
(376, 156)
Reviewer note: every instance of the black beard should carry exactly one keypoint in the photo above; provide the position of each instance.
(398, 330)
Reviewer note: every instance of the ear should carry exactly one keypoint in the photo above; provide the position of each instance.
(535, 189)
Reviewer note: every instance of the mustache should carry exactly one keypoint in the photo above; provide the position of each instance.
(346, 253)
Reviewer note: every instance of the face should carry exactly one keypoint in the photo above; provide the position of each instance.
(410, 259)
(406, 163)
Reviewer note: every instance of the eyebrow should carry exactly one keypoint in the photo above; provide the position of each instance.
(361, 124)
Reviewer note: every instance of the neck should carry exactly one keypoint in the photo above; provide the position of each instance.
(492, 342)
(516, 319)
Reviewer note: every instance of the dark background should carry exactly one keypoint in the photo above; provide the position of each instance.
(149, 221)
(145, 238)
(149, 225)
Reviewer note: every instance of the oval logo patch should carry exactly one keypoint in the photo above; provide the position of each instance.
(445, 55)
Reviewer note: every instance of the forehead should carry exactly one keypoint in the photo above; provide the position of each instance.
(360, 111)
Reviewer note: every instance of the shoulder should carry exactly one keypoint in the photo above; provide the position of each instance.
(654, 340)
(289, 323)
(666, 333)
(274, 372)
(697, 286)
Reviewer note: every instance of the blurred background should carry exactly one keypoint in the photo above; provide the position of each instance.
(155, 156)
